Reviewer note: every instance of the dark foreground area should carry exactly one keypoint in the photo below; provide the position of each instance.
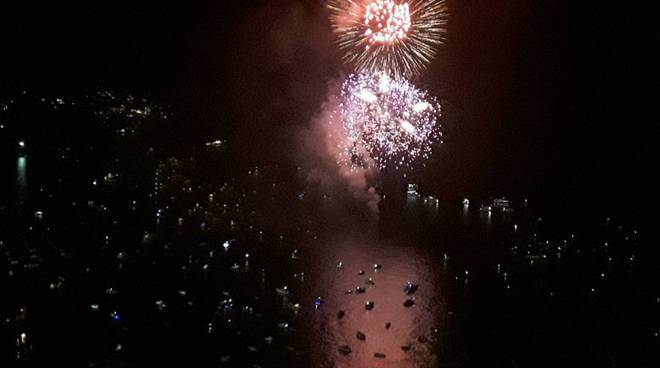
(124, 246)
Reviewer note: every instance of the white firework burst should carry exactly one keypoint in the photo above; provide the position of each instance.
(387, 120)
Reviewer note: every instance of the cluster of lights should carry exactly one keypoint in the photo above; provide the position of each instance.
(386, 21)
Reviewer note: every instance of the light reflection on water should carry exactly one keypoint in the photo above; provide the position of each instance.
(21, 179)
(410, 327)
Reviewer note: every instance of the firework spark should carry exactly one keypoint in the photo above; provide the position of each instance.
(387, 121)
(396, 36)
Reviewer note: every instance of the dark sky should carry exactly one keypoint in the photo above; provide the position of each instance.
(541, 96)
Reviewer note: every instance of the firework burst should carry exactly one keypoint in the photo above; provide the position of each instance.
(396, 36)
(387, 121)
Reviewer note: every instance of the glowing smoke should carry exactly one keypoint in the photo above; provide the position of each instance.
(323, 153)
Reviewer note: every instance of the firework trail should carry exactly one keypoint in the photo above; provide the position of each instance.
(395, 36)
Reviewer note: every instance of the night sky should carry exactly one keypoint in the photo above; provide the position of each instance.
(543, 97)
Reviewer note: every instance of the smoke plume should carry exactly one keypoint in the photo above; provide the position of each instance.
(322, 149)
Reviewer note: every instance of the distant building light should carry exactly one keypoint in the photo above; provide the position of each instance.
(216, 143)
(501, 203)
